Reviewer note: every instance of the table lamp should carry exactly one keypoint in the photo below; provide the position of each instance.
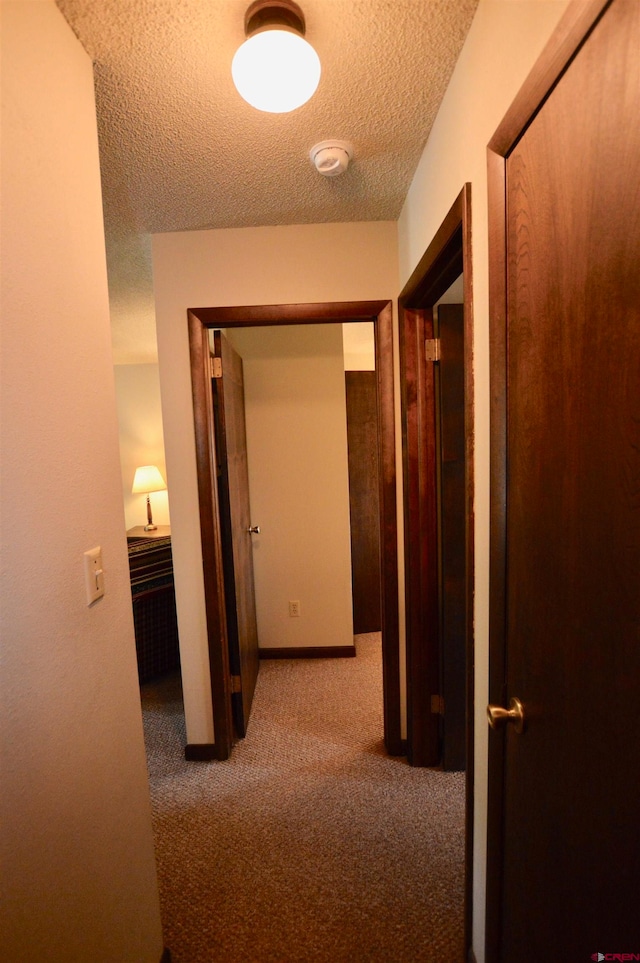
(148, 479)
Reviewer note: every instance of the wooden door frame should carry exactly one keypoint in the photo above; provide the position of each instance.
(200, 321)
(572, 30)
(448, 255)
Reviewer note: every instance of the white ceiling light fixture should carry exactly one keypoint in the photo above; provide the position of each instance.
(275, 70)
(331, 157)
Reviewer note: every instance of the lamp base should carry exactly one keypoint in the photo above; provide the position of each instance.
(149, 527)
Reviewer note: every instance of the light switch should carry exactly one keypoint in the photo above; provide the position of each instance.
(93, 574)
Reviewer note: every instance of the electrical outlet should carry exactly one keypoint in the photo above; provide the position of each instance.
(294, 609)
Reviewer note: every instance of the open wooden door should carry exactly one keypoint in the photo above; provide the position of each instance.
(563, 853)
(364, 500)
(236, 528)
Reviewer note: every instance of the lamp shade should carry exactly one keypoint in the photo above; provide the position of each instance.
(147, 479)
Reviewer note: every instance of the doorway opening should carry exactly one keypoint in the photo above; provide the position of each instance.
(436, 379)
(310, 411)
(200, 322)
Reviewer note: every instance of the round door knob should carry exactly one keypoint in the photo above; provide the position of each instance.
(254, 530)
(499, 717)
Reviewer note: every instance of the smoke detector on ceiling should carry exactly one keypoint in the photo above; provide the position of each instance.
(331, 157)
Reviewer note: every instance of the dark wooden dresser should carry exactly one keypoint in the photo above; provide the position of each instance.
(154, 602)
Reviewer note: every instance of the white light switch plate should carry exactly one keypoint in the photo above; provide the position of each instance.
(93, 574)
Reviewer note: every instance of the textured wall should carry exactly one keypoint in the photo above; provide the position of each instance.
(78, 874)
(299, 481)
(504, 41)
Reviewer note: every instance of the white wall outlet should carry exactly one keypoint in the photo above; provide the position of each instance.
(93, 574)
(294, 609)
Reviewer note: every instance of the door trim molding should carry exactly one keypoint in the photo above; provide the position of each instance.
(200, 320)
(573, 29)
(448, 255)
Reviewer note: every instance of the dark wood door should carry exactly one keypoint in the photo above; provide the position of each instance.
(235, 522)
(568, 605)
(452, 536)
(364, 500)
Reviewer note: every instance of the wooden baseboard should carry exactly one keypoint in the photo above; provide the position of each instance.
(166, 956)
(310, 652)
(200, 752)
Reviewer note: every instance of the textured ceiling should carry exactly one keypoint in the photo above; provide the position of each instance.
(180, 150)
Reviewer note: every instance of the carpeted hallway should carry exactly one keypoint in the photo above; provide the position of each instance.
(309, 844)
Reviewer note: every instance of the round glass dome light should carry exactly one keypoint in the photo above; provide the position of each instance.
(275, 69)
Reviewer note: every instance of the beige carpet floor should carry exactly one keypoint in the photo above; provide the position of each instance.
(310, 845)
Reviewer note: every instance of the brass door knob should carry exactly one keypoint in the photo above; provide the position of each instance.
(254, 530)
(499, 717)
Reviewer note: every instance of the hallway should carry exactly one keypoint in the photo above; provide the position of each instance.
(309, 844)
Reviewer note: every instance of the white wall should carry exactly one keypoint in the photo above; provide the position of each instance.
(359, 346)
(505, 39)
(268, 265)
(78, 873)
(295, 409)
(141, 438)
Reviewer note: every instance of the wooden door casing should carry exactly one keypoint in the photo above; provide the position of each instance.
(452, 478)
(448, 255)
(200, 321)
(563, 862)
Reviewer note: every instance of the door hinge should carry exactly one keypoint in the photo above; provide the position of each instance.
(236, 684)
(437, 705)
(432, 349)
(215, 365)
